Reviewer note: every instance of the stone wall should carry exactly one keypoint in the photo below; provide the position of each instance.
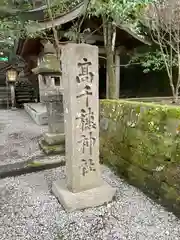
(141, 142)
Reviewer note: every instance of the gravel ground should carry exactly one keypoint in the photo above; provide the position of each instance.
(18, 136)
(28, 210)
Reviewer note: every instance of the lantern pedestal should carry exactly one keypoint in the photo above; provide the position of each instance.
(13, 97)
(54, 138)
(54, 141)
(52, 149)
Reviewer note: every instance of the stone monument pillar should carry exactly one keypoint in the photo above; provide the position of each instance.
(83, 186)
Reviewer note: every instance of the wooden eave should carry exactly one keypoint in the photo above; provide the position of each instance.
(32, 47)
(73, 14)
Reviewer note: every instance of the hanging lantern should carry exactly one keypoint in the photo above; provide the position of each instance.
(11, 75)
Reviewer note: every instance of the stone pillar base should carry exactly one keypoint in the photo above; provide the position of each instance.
(90, 198)
(54, 138)
(52, 149)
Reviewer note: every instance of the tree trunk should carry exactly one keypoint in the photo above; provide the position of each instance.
(176, 91)
(175, 88)
(109, 43)
(173, 91)
(111, 75)
(175, 97)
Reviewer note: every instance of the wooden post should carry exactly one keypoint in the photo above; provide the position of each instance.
(117, 62)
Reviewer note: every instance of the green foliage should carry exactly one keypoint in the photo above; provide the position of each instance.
(11, 7)
(59, 7)
(13, 25)
(141, 141)
(120, 11)
(152, 60)
(73, 34)
(117, 8)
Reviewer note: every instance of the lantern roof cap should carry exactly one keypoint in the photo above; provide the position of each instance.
(48, 47)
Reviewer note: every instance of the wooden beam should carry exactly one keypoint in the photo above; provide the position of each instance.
(118, 50)
(67, 17)
(88, 36)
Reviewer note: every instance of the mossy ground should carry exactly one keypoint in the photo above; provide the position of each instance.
(141, 141)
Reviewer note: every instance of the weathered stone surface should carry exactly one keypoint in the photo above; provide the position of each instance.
(49, 63)
(53, 139)
(90, 198)
(55, 111)
(81, 105)
(45, 85)
(80, 77)
(38, 112)
(173, 125)
(52, 149)
(48, 47)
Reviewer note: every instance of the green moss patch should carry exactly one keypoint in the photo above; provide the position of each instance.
(51, 149)
(141, 141)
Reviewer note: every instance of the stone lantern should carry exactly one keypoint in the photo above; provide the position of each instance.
(49, 69)
(11, 77)
(49, 65)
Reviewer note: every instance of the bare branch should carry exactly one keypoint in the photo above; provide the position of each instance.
(163, 20)
(53, 28)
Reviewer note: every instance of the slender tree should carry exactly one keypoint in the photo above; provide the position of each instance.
(113, 14)
(163, 20)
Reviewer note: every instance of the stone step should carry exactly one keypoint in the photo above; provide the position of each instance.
(3, 88)
(3, 100)
(3, 103)
(24, 89)
(4, 91)
(4, 95)
(25, 101)
(24, 92)
(23, 96)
